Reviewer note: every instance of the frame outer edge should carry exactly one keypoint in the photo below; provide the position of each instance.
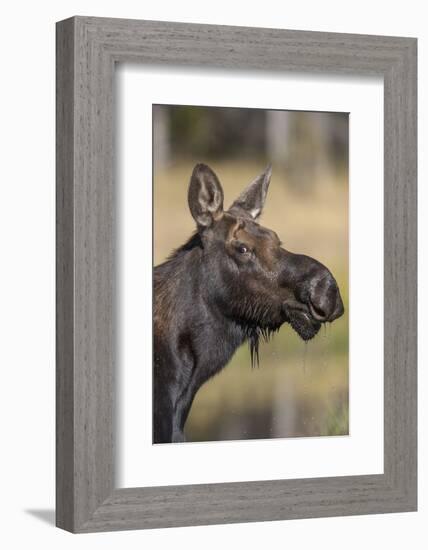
(400, 210)
(65, 109)
(94, 274)
(407, 262)
(86, 498)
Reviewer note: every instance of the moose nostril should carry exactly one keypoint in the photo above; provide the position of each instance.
(325, 302)
(318, 312)
(321, 296)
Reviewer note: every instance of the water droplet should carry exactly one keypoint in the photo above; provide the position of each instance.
(324, 348)
(305, 353)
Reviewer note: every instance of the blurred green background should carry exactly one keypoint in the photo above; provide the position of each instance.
(300, 389)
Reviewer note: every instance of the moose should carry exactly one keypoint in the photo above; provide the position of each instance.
(231, 282)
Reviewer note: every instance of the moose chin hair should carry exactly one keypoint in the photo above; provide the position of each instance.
(305, 327)
(302, 323)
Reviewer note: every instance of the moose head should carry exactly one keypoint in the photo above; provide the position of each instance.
(258, 281)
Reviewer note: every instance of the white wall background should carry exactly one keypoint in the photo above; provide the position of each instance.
(27, 272)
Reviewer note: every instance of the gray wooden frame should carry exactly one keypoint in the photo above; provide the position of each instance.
(87, 50)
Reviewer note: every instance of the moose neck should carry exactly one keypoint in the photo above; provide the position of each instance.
(186, 285)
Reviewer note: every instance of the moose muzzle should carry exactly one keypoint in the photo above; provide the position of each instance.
(314, 286)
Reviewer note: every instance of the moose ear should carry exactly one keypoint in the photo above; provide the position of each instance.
(205, 196)
(252, 199)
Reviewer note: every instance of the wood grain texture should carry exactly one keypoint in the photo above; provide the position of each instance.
(64, 277)
(87, 50)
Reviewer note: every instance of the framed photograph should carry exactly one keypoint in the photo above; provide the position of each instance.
(236, 274)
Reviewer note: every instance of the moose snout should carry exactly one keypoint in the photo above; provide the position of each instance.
(313, 285)
(324, 300)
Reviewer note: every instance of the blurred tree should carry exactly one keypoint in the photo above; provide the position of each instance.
(308, 146)
(161, 135)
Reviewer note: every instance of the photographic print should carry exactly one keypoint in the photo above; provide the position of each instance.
(250, 278)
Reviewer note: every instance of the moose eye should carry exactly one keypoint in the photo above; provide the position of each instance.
(242, 249)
